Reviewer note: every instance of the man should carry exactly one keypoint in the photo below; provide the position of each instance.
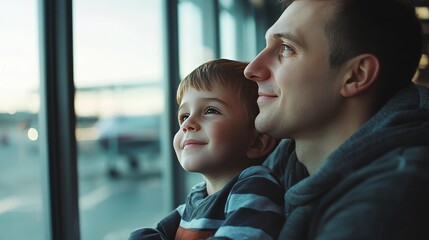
(335, 77)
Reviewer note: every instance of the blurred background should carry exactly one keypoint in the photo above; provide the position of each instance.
(124, 104)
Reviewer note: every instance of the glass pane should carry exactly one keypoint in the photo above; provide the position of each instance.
(228, 35)
(194, 25)
(237, 30)
(20, 170)
(119, 76)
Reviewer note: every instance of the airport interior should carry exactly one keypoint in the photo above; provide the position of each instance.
(88, 106)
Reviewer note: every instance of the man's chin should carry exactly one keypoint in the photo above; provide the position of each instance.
(262, 124)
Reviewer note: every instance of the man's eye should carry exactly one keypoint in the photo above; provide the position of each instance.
(286, 50)
(211, 110)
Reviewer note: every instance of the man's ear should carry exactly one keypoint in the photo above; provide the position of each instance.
(362, 72)
(261, 146)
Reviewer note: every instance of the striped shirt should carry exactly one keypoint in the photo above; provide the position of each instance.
(250, 206)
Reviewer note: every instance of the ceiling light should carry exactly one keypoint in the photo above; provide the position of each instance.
(422, 13)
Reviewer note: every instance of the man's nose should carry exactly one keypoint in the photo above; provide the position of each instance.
(258, 70)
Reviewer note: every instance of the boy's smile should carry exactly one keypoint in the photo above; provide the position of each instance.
(191, 143)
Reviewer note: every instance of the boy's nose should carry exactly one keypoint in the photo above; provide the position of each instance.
(190, 125)
(188, 128)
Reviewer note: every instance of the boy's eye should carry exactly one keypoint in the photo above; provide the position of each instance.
(182, 118)
(211, 110)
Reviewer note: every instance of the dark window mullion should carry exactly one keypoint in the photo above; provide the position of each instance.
(216, 21)
(174, 175)
(57, 117)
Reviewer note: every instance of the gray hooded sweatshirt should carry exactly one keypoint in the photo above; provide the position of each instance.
(374, 186)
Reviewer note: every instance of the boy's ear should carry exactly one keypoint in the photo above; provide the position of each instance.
(261, 146)
(362, 72)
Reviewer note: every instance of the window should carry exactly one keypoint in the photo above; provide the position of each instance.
(119, 75)
(20, 169)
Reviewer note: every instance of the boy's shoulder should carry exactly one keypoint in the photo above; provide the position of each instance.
(258, 171)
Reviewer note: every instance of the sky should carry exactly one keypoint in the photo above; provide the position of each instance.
(18, 52)
(115, 42)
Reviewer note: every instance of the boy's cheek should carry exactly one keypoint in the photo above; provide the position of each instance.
(177, 140)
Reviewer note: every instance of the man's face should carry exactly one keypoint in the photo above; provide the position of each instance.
(214, 133)
(298, 91)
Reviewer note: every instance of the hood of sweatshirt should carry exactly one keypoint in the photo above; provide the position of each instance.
(403, 121)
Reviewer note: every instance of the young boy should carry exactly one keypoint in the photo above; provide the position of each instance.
(239, 198)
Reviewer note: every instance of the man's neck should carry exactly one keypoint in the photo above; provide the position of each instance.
(312, 154)
(313, 148)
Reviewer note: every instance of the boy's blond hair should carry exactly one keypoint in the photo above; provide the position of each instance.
(229, 74)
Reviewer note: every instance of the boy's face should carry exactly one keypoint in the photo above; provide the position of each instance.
(298, 90)
(214, 132)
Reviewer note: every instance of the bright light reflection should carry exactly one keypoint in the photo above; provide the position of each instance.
(422, 12)
(32, 134)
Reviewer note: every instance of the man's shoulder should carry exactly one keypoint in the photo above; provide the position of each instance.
(399, 174)
(407, 158)
(393, 189)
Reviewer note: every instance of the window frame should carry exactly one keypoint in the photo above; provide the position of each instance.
(57, 120)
